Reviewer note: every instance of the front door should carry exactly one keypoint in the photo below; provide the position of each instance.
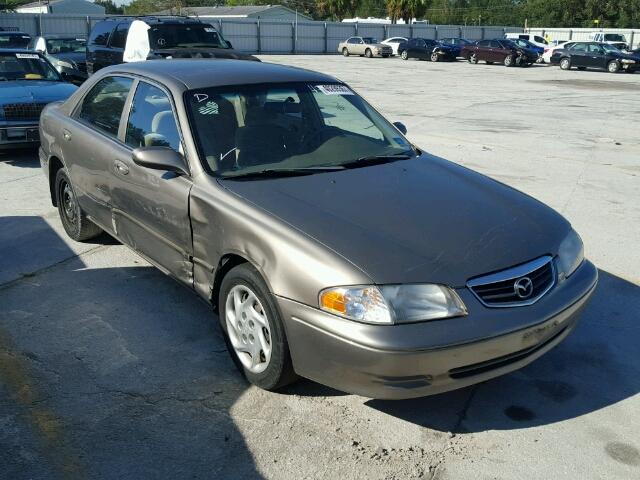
(579, 55)
(151, 207)
(95, 124)
(596, 56)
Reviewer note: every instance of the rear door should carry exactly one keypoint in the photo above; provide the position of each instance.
(97, 51)
(90, 139)
(117, 41)
(151, 207)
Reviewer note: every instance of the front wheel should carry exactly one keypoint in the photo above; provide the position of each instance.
(345, 52)
(565, 64)
(473, 58)
(404, 55)
(508, 60)
(368, 53)
(435, 57)
(73, 218)
(613, 67)
(254, 331)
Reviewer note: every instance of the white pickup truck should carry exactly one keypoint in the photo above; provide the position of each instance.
(616, 39)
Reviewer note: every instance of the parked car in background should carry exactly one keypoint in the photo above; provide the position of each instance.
(530, 37)
(364, 46)
(426, 49)
(546, 56)
(615, 39)
(14, 39)
(530, 46)
(393, 42)
(68, 54)
(457, 43)
(28, 82)
(238, 179)
(499, 50)
(601, 56)
(167, 37)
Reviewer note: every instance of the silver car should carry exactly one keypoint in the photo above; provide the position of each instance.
(329, 246)
(367, 46)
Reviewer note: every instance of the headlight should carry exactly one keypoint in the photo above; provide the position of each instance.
(63, 64)
(627, 60)
(570, 255)
(392, 304)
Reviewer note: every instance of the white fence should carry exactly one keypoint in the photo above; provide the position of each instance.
(261, 36)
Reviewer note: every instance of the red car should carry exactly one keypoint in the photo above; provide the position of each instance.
(499, 51)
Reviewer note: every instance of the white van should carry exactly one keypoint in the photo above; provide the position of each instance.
(616, 39)
(535, 39)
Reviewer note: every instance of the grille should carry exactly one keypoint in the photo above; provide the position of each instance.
(518, 286)
(23, 111)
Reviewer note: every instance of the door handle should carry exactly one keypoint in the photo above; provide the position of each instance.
(66, 135)
(121, 167)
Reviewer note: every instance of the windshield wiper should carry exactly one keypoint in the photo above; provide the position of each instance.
(283, 172)
(376, 160)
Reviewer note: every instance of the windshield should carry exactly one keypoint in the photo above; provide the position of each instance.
(610, 48)
(250, 128)
(614, 37)
(26, 66)
(369, 40)
(185, 36)
(66, 45)
(12, 40)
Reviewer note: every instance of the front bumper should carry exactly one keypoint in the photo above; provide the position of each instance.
(414, 360)
(18, 135)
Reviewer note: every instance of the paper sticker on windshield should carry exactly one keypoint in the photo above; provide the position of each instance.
(209, 29)
(209, 108)
(27, 55)
(334, 89)
(200, 97)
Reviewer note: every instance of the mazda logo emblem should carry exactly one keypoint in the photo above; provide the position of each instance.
(523, 287)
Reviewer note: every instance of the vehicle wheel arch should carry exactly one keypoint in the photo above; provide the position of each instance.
(55, 164)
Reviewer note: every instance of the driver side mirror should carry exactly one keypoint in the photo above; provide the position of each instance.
(160, 158)
(400, 126)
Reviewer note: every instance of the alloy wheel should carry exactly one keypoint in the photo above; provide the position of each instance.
(248, 328)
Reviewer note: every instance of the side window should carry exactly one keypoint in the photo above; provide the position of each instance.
(579, 47)
(103, 105)
(595, 48)
(151, 121)
(421, 43)
(119, 37)
(494, 44)
(523, 37)
(351, 40)
(338, 111)
(100, 33)
(483, 43)
(539, 39)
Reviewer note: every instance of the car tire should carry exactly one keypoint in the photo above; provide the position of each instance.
(434, 57)
(260, 326)
(473, 58)
(565, 63)
(73, 218)
(508, 61)
(345, 52)
(368, 53)
(613, 66)
(404, 55)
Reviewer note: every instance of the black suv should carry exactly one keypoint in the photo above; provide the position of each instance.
(169, 37)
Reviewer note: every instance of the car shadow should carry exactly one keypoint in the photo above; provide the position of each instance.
(595, 367)
(24, 158)
(111, 371)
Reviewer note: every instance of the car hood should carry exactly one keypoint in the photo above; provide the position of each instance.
(74, 57)
(420, 220)
(19, 91)
(202, 53)
(629, 56)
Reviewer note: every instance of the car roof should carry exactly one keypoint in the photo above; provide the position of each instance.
(19, 50)
(203, 73)
(12, 32)
(155, 19)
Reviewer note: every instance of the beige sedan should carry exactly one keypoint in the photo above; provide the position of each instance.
(367, 46)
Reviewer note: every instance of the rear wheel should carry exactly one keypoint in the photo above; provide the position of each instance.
(345, 52)
(613, 66)
(404, 55)
(73, 218)
(435, 57)
(565, 64)
(254, 331)
(368, 53)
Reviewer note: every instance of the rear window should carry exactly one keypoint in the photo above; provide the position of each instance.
(191, 35)
(12, 40)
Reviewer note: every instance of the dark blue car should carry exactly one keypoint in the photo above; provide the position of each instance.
(426, 49)
(528, 45)
(27, 83)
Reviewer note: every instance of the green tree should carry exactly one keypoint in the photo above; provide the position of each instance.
(110, 7)
(407, 9)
